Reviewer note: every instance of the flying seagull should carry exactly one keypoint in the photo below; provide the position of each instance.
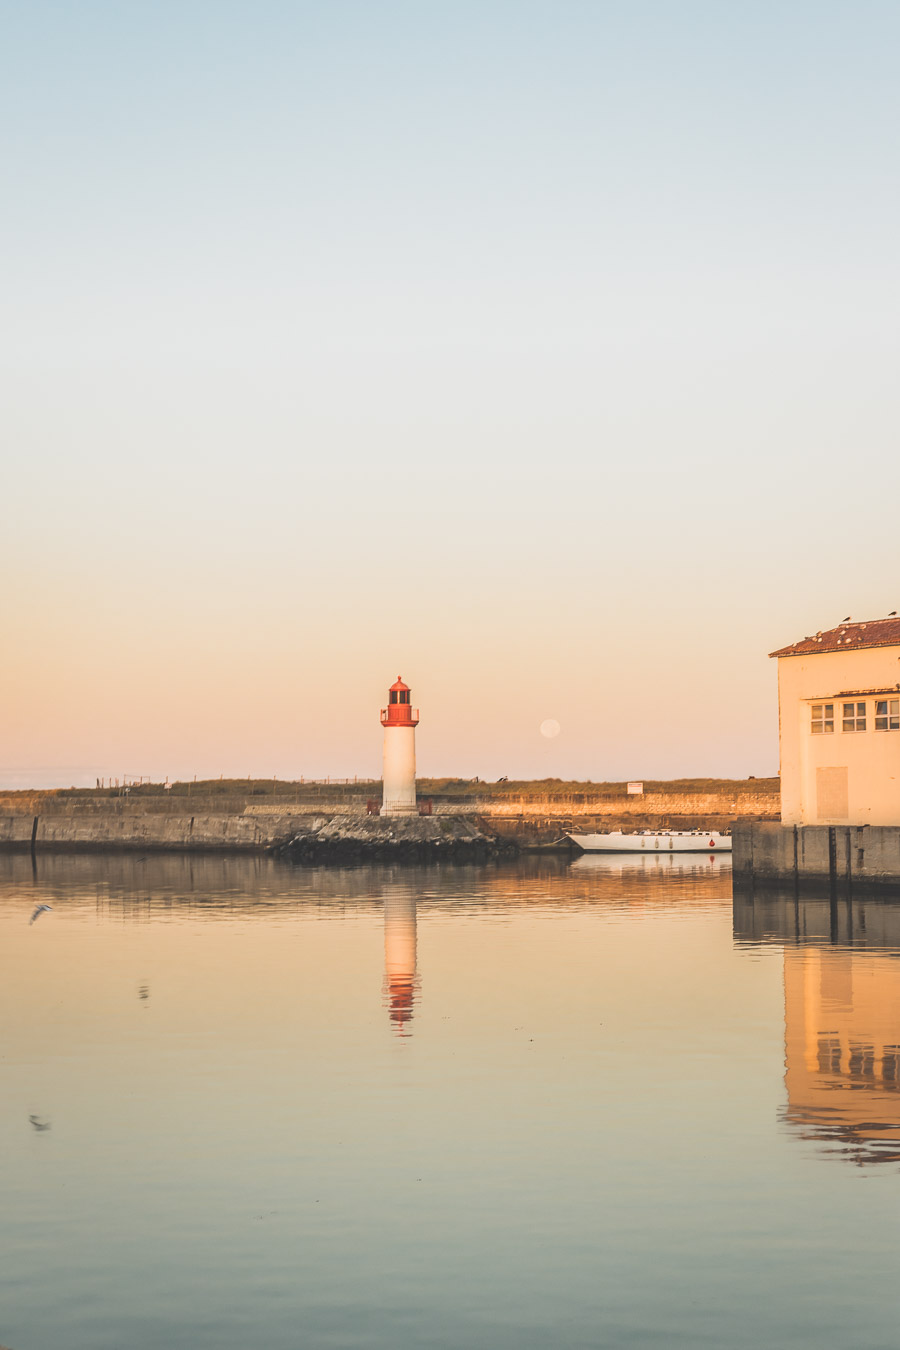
(40, 909)
(38, 1123)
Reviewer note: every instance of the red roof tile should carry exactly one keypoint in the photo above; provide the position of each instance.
(847, 636)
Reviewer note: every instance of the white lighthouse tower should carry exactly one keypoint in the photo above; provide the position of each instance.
(399, 721)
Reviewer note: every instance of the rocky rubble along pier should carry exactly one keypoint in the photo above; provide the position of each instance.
(393, 839)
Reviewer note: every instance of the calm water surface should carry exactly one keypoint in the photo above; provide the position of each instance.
(574, 1105)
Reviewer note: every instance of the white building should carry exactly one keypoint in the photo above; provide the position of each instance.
(839, 726)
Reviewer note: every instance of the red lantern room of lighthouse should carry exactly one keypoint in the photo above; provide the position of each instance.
(399, 720)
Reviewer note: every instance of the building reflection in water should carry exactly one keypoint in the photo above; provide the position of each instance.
(401, 983)
(841, 1017)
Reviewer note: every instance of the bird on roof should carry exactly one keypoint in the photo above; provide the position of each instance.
(847, 620)
(893, 614)
(40, 910)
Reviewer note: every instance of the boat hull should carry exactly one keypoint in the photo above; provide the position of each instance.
(665, 841)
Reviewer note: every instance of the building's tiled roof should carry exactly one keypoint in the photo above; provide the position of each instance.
(846, 637)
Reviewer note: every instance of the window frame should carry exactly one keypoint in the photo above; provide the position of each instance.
(857, 719)
(823, 725)
(890, 718)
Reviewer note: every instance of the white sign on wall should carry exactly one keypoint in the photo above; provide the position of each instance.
(635, 789)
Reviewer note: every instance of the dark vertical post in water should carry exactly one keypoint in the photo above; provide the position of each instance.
(832, 881)
(796, 884)
(34, 825)
(750, 856)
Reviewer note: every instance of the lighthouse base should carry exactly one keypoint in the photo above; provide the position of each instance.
(399, 809)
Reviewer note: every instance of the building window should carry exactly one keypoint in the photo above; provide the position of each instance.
(887, 714)
(854, 717)
(829, 1053)
(822, 718)
(862, 1061)
(890, 1063)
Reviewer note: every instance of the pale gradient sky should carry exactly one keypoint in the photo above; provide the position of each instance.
(543, 353)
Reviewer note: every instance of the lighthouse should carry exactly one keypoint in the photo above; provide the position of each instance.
(399, 721)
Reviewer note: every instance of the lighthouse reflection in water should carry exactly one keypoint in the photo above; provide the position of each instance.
(401, 981)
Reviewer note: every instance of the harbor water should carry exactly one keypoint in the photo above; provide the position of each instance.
(551, 1103)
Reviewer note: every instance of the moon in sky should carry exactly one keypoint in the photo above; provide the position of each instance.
(550, 728)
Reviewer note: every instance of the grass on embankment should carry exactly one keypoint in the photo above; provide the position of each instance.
(260, 788)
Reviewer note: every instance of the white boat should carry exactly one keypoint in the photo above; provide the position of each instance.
(654, 841)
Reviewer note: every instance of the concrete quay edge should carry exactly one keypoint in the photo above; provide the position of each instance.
(839, 857)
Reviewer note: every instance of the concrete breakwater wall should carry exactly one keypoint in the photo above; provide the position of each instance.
(296, 837)
(151, 830)
(837, 858)
(760, 805)
(228, 822)
(541, 819)
(538, 818)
